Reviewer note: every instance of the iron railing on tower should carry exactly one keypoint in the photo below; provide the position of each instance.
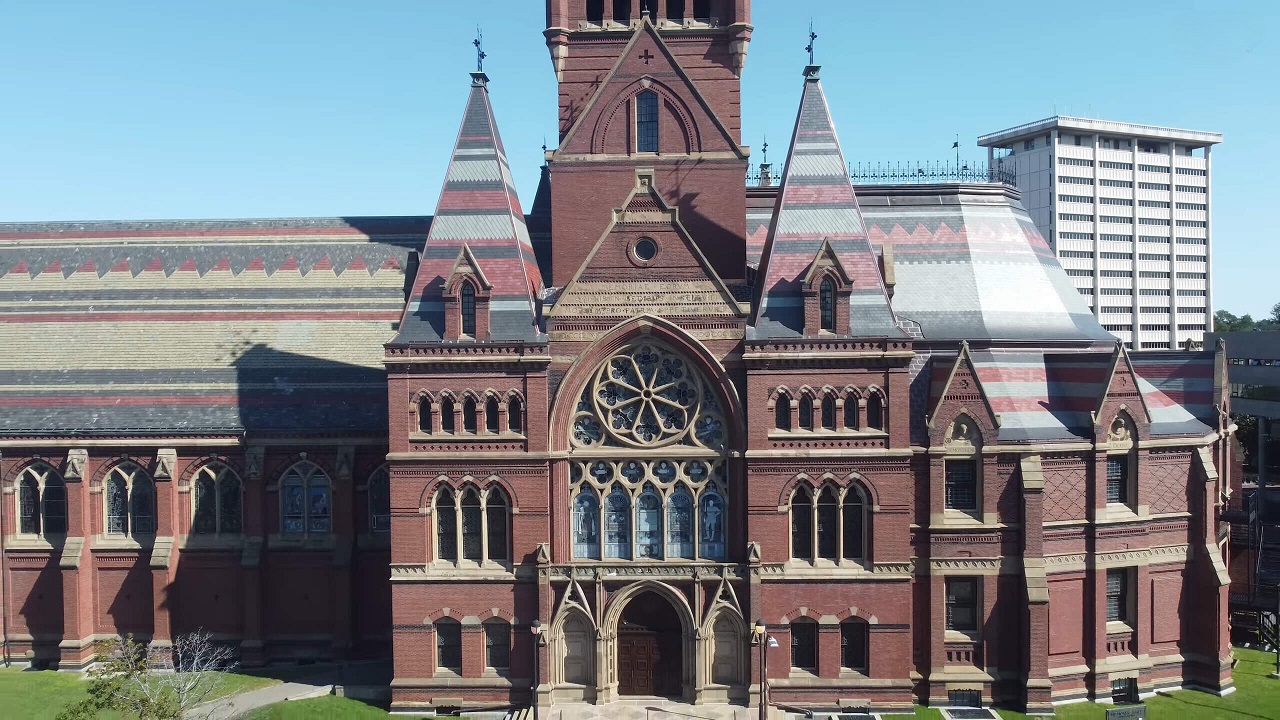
(903, 173)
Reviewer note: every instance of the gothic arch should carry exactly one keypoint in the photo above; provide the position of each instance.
(639, 328)
(607, 118)
(612, 618)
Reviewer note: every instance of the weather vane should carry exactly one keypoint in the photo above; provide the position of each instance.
(764, 151)
(480, 54)
(812, 36)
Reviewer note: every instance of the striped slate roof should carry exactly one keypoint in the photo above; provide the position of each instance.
(223, 326)
(1178, 387)
(816, 203)
(478, 209)
(970, 265)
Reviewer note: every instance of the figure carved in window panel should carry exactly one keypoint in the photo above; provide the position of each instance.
(648, 469)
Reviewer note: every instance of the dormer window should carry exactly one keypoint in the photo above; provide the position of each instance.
(827, 305)
(647, 122)
(468, 309)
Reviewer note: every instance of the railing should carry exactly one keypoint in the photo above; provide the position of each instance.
(904, 174)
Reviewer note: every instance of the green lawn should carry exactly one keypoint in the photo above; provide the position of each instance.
(40, 695)
(328, 707)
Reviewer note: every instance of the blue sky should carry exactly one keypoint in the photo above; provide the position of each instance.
(135, 110)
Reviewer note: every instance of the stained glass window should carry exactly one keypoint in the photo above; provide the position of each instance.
(53, 498)
(205, 520)
(827, 514)
(380, 501)
(446, 526)
(468, 309)
(647, 122)
(497, 519)
(472, 526)
(617, 524)
(827, 305)
(497, 645)
(586, 525)
(449, 645)
(649, 525)
(117, 505)
(680, 524)
(130, 501)
(142, 505)
(217, 500)
(29, 505)
(305, 500)
(712, 518)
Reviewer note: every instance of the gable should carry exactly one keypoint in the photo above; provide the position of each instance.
(624, 275)
(687, 124)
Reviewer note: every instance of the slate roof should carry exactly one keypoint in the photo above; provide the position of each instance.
(816, 203)
(1178, 387)
(199, 327)
(478, 209)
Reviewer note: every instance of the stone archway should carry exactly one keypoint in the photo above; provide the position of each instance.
(650, 648)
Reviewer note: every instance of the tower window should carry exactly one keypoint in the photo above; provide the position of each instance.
(961, 485)
(651, 7)
(647, 122)
(595, 12)
(468, 309)
(1118, 479)
(702, 10)
(827, 305)
(622, 11)
(782, 413)
(675, 10)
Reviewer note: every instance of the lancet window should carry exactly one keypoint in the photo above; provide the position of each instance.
(42, 501)
(648, 474)
(130, 501)
(217, 501)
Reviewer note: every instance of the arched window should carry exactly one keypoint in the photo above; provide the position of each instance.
(447, 421)
(875, 411)
(42, 501)
(515, 415)
(801, 524)
(305, 500)
(702, 10)
(804, 644)
(586, 525)
(782, 413)
(472, 525)
(834, 522)
(446, 525)
(827, 305)
(647, 122)
(380, 501)
(217, 501)
(497, 517)
(622, 11)
(828, 412)
(806, 413)
(130, 501)
(617, 524)
(491, 415)
(675, 10)
(497, 644)
(449, 644)
(424, 415)
(854, 642)
(851, 411)
(680, 523)
(468, 306)
(651, 7)
(648, 440)
(649, 525)
(469, 414)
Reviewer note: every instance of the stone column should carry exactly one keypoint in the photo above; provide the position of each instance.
(1039, 688)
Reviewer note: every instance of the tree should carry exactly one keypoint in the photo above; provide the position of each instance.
(150, 683)
(1224, 321)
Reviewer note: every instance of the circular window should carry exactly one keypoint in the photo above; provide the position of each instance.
(645, 249)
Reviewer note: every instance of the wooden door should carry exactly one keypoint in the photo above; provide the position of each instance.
(637, 653)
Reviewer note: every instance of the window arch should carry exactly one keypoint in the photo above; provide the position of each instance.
(380, 501)
(217, 502)
(854, 644)
(806, 412)
(425, 421)
(804, 644)
(851, 399)
(469, 414)
(647, 122)
(782, 412)
(447, 419)
(875, 410)
(497, 644)
(827, 305)
(305, 500)
(468, 309)
(829, 523)
(647, 476)
(449, 644)
(491, 415)
(828, 411)
(477, 521)
(515, 414)
(42, 501)
(130, 501)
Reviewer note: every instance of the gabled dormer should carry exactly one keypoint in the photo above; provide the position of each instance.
(826, 290)
(466, 299)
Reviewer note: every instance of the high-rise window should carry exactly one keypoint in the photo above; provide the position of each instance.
(647, 122)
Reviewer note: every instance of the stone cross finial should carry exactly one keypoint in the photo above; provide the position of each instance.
(812, 36)
(480, 53)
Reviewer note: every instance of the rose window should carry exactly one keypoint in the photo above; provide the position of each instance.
(647, 473)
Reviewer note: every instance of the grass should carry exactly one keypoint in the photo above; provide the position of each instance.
(41, 695)
(329, 707)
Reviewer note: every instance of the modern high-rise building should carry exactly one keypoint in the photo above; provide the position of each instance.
(1126, 209)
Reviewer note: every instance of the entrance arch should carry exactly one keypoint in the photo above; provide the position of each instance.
(650, 648)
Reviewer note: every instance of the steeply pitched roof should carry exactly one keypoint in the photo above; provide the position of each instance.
(816, 203)
(1178, 388)
(478, 208)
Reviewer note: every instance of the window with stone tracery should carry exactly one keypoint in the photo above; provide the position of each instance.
(648, 474)
(42, 501)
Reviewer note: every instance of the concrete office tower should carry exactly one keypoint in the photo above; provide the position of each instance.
(1126, 209)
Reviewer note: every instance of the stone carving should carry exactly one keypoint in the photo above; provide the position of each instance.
(166, 459)
(253, 461)
(346, 458)
(76, 460)
(1119, 431)
(962, 434)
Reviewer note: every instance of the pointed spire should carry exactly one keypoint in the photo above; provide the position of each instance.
(816, 203)
(478, 217)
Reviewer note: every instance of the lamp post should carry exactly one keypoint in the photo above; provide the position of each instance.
(765, 641)
(535, 628)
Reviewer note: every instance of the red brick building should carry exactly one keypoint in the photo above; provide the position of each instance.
(657, 410)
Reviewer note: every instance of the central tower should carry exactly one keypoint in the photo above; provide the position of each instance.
(649, 84)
